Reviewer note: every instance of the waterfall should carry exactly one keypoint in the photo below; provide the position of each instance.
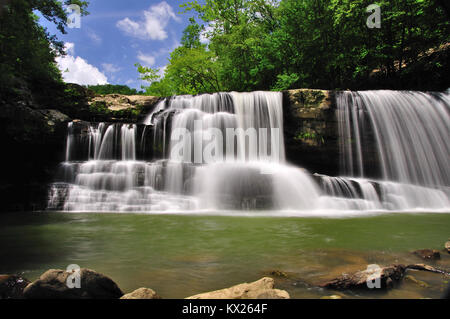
(225, 152)
(411, 130)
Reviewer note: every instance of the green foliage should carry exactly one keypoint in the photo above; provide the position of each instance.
(285, 81)
(192, 68)
(27, 50)
(309, 136)
(147, 74)
(191, 35)
(265, 44)
(103, 89)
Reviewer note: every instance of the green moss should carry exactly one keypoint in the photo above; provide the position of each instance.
(309, 98)
(309, 136)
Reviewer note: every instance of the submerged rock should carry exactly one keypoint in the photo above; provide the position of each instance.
(12, 286)
(142, 293)
(53, 285)
(427, 254)
(277, 273)
(370, 279)
(331, 297)
(261, 289)
(416, 281)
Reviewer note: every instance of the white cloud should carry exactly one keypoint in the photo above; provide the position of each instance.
(94, 37)
(69, 48)
(110, 68)
(77, 70)
(148, 60)
(153, 25)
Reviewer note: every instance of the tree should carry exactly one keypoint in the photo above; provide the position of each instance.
(27, 50)
(192, 68)
(262, 44)
(113, 89)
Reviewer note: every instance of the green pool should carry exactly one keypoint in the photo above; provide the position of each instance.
(178, 255)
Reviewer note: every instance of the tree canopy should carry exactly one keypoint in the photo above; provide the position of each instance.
(276, 45)
(27, 50)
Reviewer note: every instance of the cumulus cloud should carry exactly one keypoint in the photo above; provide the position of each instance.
(77, 70)
(147, 60)
(110, 68)
(152, 26)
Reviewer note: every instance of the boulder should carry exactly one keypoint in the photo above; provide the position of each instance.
(367, 279)
(53, 285)
(142, 293)
(261, 289)
(427, 254)
(12, 286)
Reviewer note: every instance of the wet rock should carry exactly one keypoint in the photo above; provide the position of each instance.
(447, 246)
(277, 273)
(142, 293)
(369, 279)
(53, 285)
(311, 129)
(428, 254)
(12, 286)
(428, 268)
(261, 289)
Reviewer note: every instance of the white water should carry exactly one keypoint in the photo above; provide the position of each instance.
(412, 134)
(253, 175)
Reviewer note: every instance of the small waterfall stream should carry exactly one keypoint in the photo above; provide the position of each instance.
(224, 152)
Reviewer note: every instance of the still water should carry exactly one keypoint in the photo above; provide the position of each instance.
(179, 255)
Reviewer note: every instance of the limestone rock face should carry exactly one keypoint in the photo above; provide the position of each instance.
(261, 289)
(53, 285)
(142, 293)
(311, 130)
(34, 141)
(118, 102)
(12, 286)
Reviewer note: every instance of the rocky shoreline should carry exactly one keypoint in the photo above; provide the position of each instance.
(89, 284)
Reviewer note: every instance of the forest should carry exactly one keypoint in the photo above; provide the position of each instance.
(246, 45)
(277, 45)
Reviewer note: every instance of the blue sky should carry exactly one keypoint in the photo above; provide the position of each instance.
(117, 34)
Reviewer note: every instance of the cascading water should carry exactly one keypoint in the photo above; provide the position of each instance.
(411, 131)
(225, 152)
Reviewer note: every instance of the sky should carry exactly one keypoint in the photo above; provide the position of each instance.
(116, 35)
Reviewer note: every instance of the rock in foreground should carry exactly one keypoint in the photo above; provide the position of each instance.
(53, 285)
(369, 279)
(12, 286)
(428, 254)
(142, 293)
(261, 289)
